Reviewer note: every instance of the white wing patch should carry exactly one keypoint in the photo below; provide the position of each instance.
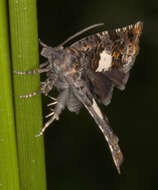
(105, 62)
(97, 110)
(111, 139)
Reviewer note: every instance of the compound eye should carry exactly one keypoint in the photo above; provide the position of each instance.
(46, 52)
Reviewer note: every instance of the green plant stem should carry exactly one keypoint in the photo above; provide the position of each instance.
(9, 175)
(24, 46)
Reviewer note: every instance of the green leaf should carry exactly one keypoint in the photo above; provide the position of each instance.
(28, 113)
(9, 175)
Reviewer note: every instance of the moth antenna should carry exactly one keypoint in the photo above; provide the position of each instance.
(80, 32)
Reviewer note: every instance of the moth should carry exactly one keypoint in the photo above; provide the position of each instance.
(86, 72)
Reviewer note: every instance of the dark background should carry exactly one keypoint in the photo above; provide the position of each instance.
(77, 155)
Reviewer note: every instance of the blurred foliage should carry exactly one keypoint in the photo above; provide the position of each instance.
(77, 154)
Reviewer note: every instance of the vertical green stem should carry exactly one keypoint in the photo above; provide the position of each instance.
(9, 175)
(24, 44)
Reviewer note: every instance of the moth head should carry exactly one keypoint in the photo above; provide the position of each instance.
(47, 51)
(52, 54)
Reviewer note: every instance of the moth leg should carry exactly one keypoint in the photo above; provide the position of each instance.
(42, 90)
(61, 102)
(50, 114)
(47, 124)
(45, 88)
(34, 71)
(52, 98)
(52, 103)
(30, 95)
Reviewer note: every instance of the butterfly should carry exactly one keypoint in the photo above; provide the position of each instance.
(86, 72)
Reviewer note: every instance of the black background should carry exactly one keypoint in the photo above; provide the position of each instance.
(77, 155)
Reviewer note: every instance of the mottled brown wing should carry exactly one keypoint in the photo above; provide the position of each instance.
(112, 49)
(111, 53)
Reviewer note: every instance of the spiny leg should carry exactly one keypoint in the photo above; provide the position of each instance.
(61, 99)
(50, 114)
(47, 124)
(52, 98)
(30, 95)
(36, 93)
(34, 71)
(54, 102)
(44, 89)
(47, 86)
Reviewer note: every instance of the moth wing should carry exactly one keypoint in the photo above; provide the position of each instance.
(110, 137)
(111, 54)
(86, 98)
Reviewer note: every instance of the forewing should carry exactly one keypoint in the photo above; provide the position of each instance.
(111, 53)
(112, 49)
